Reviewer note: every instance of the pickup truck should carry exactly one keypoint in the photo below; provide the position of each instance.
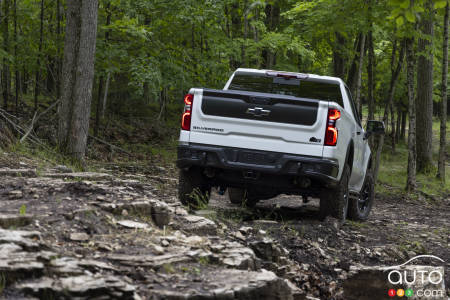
(269, 133)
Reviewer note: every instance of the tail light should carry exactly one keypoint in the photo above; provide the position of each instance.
(187, 114)
(331, 133)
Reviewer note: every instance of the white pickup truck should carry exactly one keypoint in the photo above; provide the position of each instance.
(269, 133)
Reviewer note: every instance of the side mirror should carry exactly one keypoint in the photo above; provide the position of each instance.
(374, 127)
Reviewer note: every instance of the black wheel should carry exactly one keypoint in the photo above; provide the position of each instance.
(193, 189)
(359, 208)
(242, 197)
(334, 202)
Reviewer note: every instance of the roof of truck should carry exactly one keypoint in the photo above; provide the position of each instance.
(310, 76)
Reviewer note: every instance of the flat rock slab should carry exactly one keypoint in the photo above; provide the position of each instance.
(232, 285)
(79, 237)
(133, 224)
(149, 260)
(18, 172)
(25, 239)
(17, 194)
(79, 287)
(196, 224)
(14, 220)
(80, 176)
(67, 266)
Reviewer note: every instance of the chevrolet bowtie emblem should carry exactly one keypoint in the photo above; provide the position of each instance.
(258, 112)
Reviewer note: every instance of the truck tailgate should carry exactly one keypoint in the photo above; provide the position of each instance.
(259, 121)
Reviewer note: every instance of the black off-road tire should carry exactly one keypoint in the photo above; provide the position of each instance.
(334, 202)
(242, 197)
(193, 189)
(359, 208)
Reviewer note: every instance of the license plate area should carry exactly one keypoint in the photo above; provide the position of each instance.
(255, 158)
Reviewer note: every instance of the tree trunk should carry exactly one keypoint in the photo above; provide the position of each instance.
(339, 56)
(272, 21)
(359, 78)
(370, 74)
(244, 44)
(352, 73)
(16, 61)
(411, 179)
(105, 96)
(38, 71)
(100, 109)
(425, 92)
(442, 142)
(398, 126)
(99, 105)
(78, 75)
(403, 132)
(393, 128)
(6, 78)
(58, 49)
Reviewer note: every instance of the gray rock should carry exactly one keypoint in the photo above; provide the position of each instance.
(92, 176)
(196, 224)
(63, 169)
(149, 260)
(132, 224)
(25, 239)
(81, 287)
(245, 230)
(136, 207)
(71, 266)
(266, 249)
(17, 263)
(15, 195)
(18, 172)
(160, 214)
(233, 285)
(79, 237)
(237, 256)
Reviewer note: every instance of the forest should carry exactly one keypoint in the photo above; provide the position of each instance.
(392, 55)
(92, 94)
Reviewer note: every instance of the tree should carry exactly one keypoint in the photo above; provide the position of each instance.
(78, 75)
(442, 142)
(6, 78)
(38, 65)
(412, 156)
(424, 101)
(16, 75)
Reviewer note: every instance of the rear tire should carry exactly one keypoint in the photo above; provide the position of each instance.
(359, 208)
(242, 197)
(335, 202)
(193, 189)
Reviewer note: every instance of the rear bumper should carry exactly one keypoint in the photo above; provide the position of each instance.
(270, 164)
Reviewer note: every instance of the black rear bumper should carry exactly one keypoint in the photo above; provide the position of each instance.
(272, 168)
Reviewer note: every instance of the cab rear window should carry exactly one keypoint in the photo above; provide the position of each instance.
(300, 88)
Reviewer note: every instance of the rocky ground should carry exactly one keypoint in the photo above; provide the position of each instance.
(121, 233)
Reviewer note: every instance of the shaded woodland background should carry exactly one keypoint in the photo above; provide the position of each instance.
(148, 53)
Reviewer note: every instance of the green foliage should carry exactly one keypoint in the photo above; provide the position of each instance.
(23, 210)
(200, 200)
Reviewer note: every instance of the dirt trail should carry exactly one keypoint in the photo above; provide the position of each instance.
(397, 230)
(121, 233)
